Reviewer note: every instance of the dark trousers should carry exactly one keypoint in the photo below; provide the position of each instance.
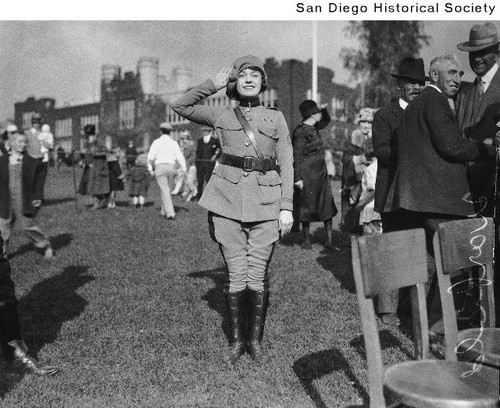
(9, 324)
(203, 172)
(40, 179)
(34, 177)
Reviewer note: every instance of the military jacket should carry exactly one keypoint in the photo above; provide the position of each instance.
(246, 196)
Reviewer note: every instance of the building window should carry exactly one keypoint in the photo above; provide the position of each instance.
(64, 127)
(27, 119)
(127, 114)
(90, 120)
(174, 118)
(269, 98)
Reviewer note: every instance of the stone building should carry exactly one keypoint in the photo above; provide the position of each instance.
(132, 105)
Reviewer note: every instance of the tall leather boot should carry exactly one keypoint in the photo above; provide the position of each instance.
(236, 310)
(257, 310)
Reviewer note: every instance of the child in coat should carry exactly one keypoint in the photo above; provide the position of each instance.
(139, 181)
(116, 177)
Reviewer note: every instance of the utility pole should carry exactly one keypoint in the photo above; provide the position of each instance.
(314, 88)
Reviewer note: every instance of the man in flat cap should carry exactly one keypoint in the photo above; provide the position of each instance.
(477, 104)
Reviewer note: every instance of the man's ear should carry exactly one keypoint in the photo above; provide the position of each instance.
(434, 75)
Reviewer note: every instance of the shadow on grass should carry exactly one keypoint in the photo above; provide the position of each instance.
(339, 262)
(55, 201)
(43, 311)
(316, 365)
(57, 242)
(128, 203)
(387, 341)
(179, 209)
(215, 296)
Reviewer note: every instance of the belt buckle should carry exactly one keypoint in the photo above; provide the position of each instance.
(248, 163)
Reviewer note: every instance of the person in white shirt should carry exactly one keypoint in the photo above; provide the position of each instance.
(163, 157)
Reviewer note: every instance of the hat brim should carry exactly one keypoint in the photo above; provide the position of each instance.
(467, 47)
(413, 78)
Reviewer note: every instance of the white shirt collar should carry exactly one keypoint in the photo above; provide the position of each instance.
(488, 77)
(435, 87)
(403, 103)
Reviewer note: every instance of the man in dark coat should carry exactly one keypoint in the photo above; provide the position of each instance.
(430, 185)
(207, 152)
(411, 82)
(477, 104)
(11, 341)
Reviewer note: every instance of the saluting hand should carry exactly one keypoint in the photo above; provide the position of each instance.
(220, 80)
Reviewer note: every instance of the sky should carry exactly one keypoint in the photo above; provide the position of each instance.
(62, 58)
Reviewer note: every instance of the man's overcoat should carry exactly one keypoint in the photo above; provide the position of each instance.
(384, 127)
(431, 175)
(479, 125)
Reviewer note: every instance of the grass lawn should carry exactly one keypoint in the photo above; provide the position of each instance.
(131, 310)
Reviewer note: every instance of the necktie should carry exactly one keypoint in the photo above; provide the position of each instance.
(480, 87)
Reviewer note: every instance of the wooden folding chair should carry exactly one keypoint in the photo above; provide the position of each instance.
(392, 261)
(458, 245)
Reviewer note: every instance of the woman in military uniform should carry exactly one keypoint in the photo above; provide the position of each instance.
(250, 194)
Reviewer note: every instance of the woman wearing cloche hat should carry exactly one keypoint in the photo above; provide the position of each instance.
(314, 200)
(249, 196)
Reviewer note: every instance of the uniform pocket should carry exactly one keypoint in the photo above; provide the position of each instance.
(269, 178)
(268, 131)
(269, 187)
(228, 173)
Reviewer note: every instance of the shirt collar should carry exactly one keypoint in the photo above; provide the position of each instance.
(402, 103)
(487, 78)
(435, 87)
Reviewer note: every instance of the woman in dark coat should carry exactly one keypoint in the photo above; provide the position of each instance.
(95, 178)
(310, 173)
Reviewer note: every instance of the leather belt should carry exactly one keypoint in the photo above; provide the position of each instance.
(249, 163)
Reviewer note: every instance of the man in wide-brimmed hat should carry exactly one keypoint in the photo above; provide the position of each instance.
(410, 80)
(477, 104)
(430, 184)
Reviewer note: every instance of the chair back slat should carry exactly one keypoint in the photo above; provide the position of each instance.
(403, 254)
(393, 260)
(466, 243)
(459, 245)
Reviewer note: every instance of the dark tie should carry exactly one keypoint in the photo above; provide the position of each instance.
(480, 87)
